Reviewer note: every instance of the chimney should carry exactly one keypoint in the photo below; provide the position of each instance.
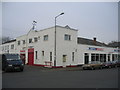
(94, 40)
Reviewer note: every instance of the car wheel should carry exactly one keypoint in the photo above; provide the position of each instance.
(115, 66)
(109, 66)
(92, 68)
(101, 67)
(5, 69)
(21, 70)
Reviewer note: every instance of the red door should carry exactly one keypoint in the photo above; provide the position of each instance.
(31, 56)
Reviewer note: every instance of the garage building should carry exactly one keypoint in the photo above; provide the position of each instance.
(42, 47)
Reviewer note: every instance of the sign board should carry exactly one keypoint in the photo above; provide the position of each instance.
(96, 49)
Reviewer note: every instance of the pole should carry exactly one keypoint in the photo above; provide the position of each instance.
(55, 40)
(55, 45)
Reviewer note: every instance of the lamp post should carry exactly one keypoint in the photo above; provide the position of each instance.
(55, 39)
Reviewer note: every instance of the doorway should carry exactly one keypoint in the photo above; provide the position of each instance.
(31, 56)
(86, 58)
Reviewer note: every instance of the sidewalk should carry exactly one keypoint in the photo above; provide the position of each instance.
(55, 69)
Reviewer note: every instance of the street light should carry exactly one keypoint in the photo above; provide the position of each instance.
(55, 38)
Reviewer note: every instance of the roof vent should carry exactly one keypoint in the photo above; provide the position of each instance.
(67, 27)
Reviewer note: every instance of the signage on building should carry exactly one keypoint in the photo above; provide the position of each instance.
(22, 50)
(116, 50)
(96, 49)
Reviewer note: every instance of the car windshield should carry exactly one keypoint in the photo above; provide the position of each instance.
(108, 62)
(13, 57)
(94, 62)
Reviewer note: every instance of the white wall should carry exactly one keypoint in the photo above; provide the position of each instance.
(82, 48)
(6, 48)
(46, 46)
(65, 47)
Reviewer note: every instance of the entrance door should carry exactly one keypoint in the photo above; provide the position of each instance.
(22, 56)
(64, 60)
(31, 56)
(86, 57)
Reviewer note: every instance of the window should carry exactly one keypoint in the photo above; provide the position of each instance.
(67, 37)
(114, 57)
(73, 56)
(93, 57)
(98, 57)
(50, 56)
(42, 53)
(12, 46)
(45, 37)
(36, 54)
(64, 58)
(23, 41)
(30, 40)
(35, 39)
(18, 42)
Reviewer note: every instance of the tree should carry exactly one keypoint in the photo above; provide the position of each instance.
(4, 39)
(114, 44)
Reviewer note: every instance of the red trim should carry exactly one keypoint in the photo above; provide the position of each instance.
(47, 65)
(38, 65)
(71, 66)
(54, 66)
(57, 66)
(22, 50)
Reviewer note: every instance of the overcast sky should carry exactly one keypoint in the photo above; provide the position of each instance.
(92, 19)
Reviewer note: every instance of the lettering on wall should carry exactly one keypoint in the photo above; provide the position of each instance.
(96, 49)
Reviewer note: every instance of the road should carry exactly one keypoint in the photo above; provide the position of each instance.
(36, 77)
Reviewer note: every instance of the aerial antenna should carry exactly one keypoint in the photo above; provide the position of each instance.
(34, 25)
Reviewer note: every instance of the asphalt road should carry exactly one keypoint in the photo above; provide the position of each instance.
(37, 77)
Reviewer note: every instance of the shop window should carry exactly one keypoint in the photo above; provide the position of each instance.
(98, 57)
(64, 58)
(67, 37)
(118, 56)
(104, 58)
(101, 58)
(108, 57)
(93, 58)
(114, 57)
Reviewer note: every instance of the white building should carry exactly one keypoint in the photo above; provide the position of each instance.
(38, 48)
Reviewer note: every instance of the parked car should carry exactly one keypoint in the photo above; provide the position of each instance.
(93, 65)
(107, 64)
(12, 62)
(116, 63)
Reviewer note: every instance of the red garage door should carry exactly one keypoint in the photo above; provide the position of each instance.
(31, 56)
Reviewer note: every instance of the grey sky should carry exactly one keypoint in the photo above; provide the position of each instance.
(92, 19)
